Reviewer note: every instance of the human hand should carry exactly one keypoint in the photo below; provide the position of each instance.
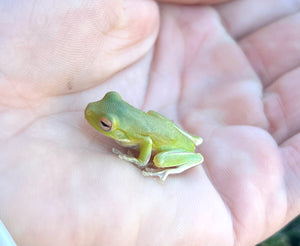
(233, 85)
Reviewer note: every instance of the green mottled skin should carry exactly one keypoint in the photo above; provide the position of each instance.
(149, 131)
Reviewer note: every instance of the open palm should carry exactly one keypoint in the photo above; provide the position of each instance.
(228, 73)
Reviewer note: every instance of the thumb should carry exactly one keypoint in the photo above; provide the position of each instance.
(55, 48)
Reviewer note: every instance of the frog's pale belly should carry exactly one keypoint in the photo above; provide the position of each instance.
(127, 143)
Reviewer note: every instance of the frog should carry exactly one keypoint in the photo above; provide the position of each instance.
(151, 133)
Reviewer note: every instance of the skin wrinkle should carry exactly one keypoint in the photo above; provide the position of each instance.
(21, 130)
(281, 112)
(16, 92)
(229, 208)
(266, 219)
(235, 220)
(225, 202)
(244, 227)
(133, 43)
(254, 58)
(288, 198)
(223, 197)
(23, 127)
(268, 74)
(36, 119)
(225, 24)
(292, 152)
(286, 72)
(280, 107)
(269, 220)
(264, 19)
(267, 213)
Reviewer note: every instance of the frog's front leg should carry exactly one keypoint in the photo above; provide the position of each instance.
(145, 146)
(118, 152)
(175, 161)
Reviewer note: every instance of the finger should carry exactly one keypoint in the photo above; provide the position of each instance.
(207, 69)
(274, 50)
(291, 159)
(195, 1)
(282, 106)
(243, 17)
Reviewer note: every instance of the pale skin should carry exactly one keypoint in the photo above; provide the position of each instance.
(228, 73)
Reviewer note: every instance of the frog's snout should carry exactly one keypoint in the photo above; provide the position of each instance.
(88, 112)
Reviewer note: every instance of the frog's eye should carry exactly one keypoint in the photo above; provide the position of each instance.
(105, 124)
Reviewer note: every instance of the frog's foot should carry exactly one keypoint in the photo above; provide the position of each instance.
(118, 152)
(129, 158)
(150, 172)
(163, 174)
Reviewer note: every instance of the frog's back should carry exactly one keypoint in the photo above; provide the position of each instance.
(164, 133)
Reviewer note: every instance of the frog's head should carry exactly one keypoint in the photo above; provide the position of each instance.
(103, 114)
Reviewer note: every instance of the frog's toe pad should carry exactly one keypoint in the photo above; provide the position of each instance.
(161, 174)
(152, 170)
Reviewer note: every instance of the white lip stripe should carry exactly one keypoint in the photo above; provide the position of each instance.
(5, 237)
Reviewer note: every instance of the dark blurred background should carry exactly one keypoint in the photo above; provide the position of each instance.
(288, 236)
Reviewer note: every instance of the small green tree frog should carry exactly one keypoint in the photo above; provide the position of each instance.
(172, 147)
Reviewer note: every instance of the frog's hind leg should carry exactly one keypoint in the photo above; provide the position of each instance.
(174, 162)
